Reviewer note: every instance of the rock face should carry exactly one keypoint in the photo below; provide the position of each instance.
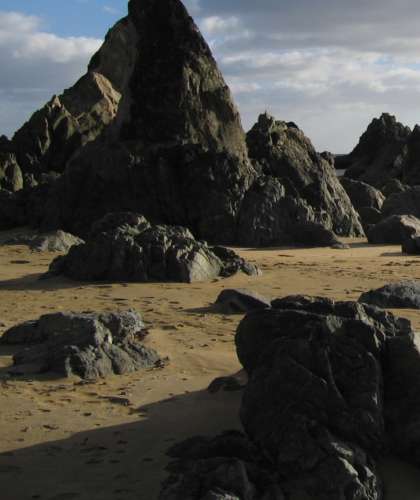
(87, 345)
(328, 383)
(394, 230)
(126, 247)
(380, 153)
(57, 131)
(56, 241)
(298, 189)
(11, 177)
(362, 195)
(404, 294)
(231, 301)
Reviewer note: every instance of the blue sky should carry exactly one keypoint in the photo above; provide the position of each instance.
(330, 66)
(71, 17)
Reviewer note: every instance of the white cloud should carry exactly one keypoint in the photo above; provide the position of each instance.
(35, 65)
(111, 10)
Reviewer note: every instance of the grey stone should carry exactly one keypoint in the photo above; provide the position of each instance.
(394, 230)
(403, 294)
(55, 241)
(87, 345)
(240, 301)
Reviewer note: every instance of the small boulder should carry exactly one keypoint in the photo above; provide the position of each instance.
(126, 247)
(55, 241)
(231, 301)
(404, 294)
(87, 345)
(394, 230)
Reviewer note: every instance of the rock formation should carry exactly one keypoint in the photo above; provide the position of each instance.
(332, 386)
(87, 345)
(152, 128)
(126, 247)
(298, 189)
(403, 203)
(380, 153)
(403, 294)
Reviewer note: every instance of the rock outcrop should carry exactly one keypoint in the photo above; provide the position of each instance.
(298, 189)
(332, 386)
(403, 203)
(87, 345)
(11, 178)
(381, 152)
(403, 294)
(126, 247)
(394, 230)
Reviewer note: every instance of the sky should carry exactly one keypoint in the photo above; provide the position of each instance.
(330, 66)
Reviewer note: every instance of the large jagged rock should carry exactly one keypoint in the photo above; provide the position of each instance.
(362, 195)
(394, 230)
(301, 187)
(87, 345)
(332, 386)
(57, 131)
(380, 153)
(176, 150)
(126, 247)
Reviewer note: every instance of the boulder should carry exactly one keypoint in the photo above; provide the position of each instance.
(402, 203)
(87, 345)
(394, 230)
(126, 247)
(403, 294)
(411, 244)
(332, 386)
(381, 152)
(231, 301)
(55, 241)
(362, 195)
(393, 186)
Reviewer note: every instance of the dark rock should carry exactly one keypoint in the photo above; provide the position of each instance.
(362, 195)
(394, 230)
(380, 153)
(229, 384)
(87, 345)
(369, 216)
(56, 241)
(286, 154)
(403, 294)
(126, 247)
(333, 385)
(240, 301)
(12, 210)
(402, 203)
(411, 244)
(393, 186)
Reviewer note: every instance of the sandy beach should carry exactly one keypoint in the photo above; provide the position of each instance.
(63, 439)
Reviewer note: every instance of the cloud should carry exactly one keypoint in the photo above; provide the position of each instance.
(111, 10)
(35, 65)
(329, 65)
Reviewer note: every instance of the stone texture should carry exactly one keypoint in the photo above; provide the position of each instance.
(362, 195)
(403, 294)
(11, 177)
(300, 188)
(394, 230)
(381, 152)
(126, 247)
(231, 301)
(87, 345)
(332, 386)
(403, 203)
(55, 241)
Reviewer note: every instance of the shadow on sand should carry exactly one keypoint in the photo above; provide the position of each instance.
(122, 462)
